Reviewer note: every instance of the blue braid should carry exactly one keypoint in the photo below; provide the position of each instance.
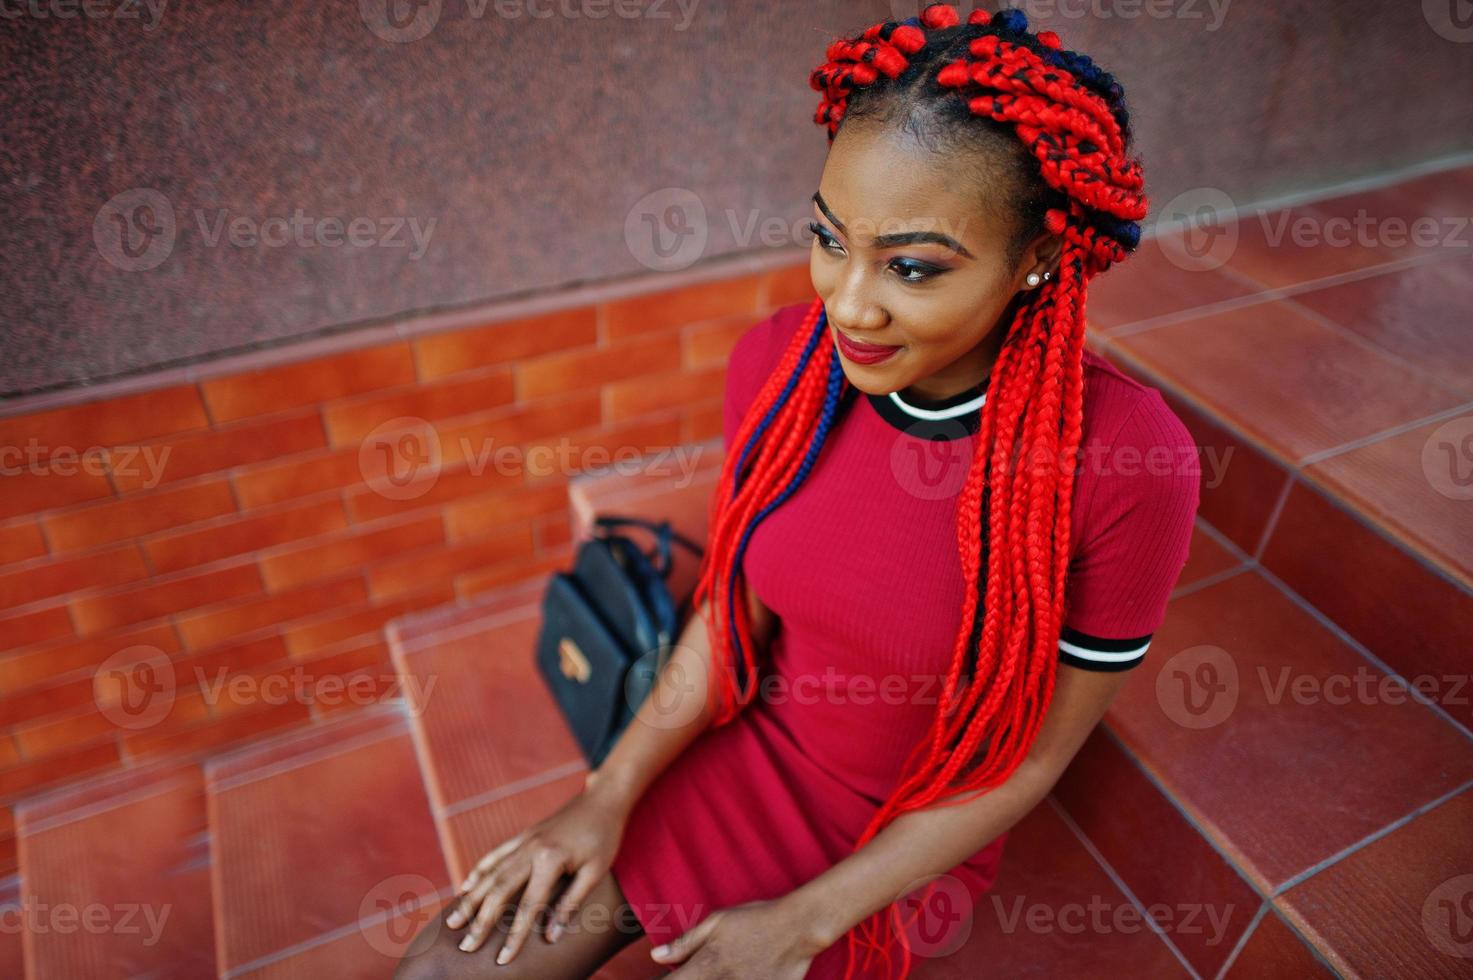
(825, 422)
(782, 399)
(1012, 20)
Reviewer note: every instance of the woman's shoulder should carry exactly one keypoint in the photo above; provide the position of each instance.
(753, 358)
(1136, 453)
(1119, 409)
(1139, 491)
(760, 347)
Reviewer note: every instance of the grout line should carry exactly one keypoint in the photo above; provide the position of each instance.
(440, 895)
(1187, 816)
(1242, 940)
(1371, 838)
(1213, 579)
(1298, 468)
(1225, 542)
(1275, 512)
(1374, 437)
(305, 759)
(1344, 637)
(478, 625)
(1406, 548)
(422, 756)
(297, 761)
(1267, 294)
(1351, 336)
(1309, 944)
(1356, 185)
(125, 798)
(511, 789)
(1120, 884)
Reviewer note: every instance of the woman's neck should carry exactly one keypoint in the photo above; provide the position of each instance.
(971, 370)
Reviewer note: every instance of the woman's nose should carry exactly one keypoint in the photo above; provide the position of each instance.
(852, 307)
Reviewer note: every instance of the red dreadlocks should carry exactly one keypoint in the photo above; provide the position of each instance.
(1012, 521)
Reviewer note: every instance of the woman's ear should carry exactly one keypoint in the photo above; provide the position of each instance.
(1042, 254)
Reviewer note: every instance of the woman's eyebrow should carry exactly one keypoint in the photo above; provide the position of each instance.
(899, 238)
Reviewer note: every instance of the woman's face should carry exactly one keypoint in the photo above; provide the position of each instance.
(903, 257)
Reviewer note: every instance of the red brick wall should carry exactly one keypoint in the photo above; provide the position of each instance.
(239, 523)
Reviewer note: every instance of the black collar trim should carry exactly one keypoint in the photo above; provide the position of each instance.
(912, 416)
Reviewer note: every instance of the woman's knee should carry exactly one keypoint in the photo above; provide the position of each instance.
(426, 957)
(603, 926)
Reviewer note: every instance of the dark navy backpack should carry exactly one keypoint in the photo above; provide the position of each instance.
(608, 627)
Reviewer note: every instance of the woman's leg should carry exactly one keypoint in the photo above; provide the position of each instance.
(603, 926)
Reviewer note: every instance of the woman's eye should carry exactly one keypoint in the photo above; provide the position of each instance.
(908, 270)
(914, 271)
(825, 240)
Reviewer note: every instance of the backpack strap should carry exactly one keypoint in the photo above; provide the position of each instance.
(663, 532)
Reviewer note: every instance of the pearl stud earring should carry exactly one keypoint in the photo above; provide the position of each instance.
(1034, 279)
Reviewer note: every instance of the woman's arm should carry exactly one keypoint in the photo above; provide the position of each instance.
(674, 714)
(924, 843)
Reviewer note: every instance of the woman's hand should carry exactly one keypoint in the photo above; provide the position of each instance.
(581, 839)
(757, 939)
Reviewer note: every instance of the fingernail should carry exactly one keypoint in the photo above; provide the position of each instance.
(554, 932)
(661, 951)
(454, 920)
(467, 943)
(503, 957)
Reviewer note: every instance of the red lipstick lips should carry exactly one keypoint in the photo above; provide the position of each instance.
(862, 353)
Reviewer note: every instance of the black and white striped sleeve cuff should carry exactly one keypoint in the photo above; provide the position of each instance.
(1097, 653)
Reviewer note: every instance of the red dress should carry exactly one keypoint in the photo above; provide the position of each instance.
(860, 565)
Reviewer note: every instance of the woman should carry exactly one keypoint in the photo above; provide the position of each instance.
(944, 533)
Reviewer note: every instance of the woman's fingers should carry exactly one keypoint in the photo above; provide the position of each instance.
(466, 904)
(474, 899)
(545, 874)
(489, 861)
(499, 889)
(572, 899)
